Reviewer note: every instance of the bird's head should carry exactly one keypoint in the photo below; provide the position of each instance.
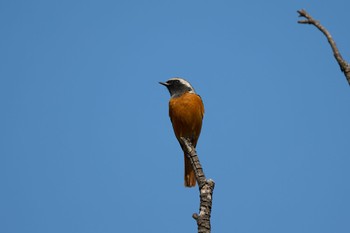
(178, 86)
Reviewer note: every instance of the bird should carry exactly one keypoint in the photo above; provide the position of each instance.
(186, 112)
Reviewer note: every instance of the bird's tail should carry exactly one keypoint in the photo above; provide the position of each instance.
(190, 177)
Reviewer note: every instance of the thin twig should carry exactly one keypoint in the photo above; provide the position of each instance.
(344, 66)
(206, 188)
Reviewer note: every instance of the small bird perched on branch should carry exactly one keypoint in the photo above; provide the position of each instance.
(186, 111)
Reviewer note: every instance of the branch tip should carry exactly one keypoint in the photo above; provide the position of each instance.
(344, 66)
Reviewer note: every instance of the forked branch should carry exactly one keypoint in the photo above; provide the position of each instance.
(344, 66)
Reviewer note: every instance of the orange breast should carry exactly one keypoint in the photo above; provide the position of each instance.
(186, 113)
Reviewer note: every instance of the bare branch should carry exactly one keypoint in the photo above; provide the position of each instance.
(206, 188)
(344, 66)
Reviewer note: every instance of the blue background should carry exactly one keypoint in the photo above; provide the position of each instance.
(86, 144)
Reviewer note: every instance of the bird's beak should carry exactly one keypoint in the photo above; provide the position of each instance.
(164, 84)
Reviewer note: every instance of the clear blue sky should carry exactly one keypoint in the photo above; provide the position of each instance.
(86, 145)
